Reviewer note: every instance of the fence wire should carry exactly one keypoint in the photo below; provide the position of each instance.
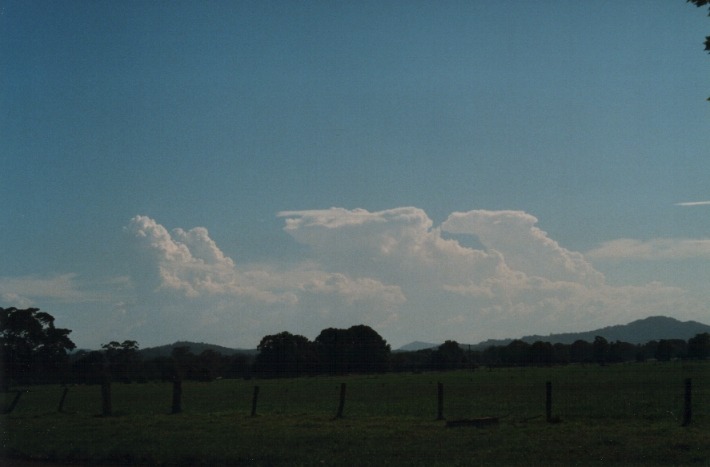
(648, 392)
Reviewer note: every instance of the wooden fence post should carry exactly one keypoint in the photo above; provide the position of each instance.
(63, 398)
(548, 401)
(341, 405)
(13, 404)
(687, 407)
(177, 395)
(254, 398)
(440, 401)
(106, 395)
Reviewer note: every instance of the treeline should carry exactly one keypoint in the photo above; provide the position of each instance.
(358, 349)
(451, 355)
(32, 350)
(122, 362)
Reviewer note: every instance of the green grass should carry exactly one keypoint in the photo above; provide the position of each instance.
(621, 414)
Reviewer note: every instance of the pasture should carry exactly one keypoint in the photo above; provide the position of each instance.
(615, 415)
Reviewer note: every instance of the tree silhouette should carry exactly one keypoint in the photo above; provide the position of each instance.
(32, 348)
(600, 349)
(370, 352)
(285, 354)
(333, 347)
(123, 359)
(448, 356)
(541, 353)
(702, 3)
(358, 349)
(517, 353)
(699, 346)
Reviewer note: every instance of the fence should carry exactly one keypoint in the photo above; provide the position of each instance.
(668, 393)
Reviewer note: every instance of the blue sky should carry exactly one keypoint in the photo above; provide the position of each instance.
(219, 170)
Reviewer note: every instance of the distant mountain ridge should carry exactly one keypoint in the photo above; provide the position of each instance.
(636, 332)
(194, 347)
(416, 345)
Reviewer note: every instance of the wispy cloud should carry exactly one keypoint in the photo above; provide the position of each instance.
(654, 249)
(63, 288)
(693, 203)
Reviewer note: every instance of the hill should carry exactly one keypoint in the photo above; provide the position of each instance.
(416, 345)
(636, 332)
(195, 347)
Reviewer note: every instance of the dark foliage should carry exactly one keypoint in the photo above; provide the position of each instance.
(448, 356)
(702, 3)
(699, 346)
(285, 354)
(358, 349)
(32, 349)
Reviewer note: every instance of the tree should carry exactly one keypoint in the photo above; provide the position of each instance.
(32, 348)
(581, 351)
(669, 349)
(285, 354)
(448, 356)
(561, 354)
(356, 349)
(699, 346)
(664, 351)
(333, 347)
(600, 349)
(369, 351)
(123, 359)
(702, 3)
(541, 353)
(210, 365)
(517, 353)
(88, 367)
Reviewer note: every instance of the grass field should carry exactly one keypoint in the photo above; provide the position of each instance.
(620, 414)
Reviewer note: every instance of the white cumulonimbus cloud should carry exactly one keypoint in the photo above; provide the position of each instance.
(393, 270)
(195, 287)
(524, 246)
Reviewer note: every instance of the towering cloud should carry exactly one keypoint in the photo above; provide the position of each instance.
(525, 247)
(195, 283)
(394, 270)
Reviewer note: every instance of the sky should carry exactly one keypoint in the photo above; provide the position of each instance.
(219, 171)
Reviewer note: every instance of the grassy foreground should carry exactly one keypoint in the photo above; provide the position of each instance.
(622, 414)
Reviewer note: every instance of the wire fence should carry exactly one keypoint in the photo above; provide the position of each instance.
(645, 392)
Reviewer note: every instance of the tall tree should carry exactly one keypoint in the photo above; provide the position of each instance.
(600, 348)
(370, 352)
(357, 349)
(699, 346)
(285, 354)
(123, 359)
(333, 347)
(32, 347)
(448, 356)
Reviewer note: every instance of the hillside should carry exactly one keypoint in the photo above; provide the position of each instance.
(416, 345)
(195, 347)
(636, 332)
